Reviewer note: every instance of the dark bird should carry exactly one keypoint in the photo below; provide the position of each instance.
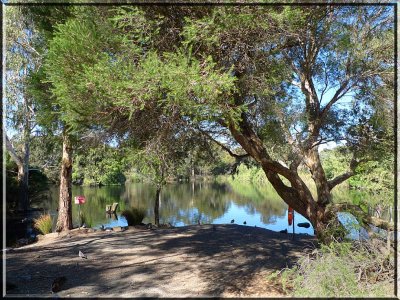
(57, 284)
(244, 222)
(82, 255)
(305, 225)
(214, 228)
(198, 222)
(10, 286)
(102, 227)
(283, 231)
(232, 221)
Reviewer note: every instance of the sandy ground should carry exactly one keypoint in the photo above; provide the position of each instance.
(192, 261)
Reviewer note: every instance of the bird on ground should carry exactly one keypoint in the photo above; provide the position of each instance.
(283, 231)
(214, 228)
(102, 227)
(232, 221)
(244, 222)
(58, 283)
(198, 222)
(81, 255)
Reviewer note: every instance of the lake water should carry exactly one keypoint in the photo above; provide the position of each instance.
(184, 204)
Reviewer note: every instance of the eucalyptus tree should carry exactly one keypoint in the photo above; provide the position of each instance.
(278, 81)
(22, 58)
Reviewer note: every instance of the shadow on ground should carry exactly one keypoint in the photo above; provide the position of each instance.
(186, 261)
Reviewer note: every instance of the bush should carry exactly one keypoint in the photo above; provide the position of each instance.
(44, 223)
(342, 270)
(133, 216)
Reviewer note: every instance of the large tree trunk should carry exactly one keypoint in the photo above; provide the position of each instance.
(64, 221)
(297, 195)
(157, 207)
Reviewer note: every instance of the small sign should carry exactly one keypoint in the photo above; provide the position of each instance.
(80, 199)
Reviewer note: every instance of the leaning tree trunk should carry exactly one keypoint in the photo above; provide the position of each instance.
(297, 195)
(64, 221)
(157, 207)
(23, 173)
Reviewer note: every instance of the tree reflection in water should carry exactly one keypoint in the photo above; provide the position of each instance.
(181, 203)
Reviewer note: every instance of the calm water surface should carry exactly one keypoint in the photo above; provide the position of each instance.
(184, 204)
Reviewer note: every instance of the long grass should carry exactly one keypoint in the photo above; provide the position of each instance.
(44, 223)
(342, 270)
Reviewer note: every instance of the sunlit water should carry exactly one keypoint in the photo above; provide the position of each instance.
(184, 204)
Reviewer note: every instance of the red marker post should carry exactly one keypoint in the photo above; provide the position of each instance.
(80, 200)
(291, 218)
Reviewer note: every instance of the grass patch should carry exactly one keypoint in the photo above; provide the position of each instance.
(358, 269)
(134, 216)
(44, 224)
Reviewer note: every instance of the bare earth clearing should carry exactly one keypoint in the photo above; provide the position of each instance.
(231, 261)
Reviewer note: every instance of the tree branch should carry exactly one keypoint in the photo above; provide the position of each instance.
(238, 156)
(13, 154)
(343, 177)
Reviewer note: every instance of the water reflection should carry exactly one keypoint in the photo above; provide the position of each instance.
(183, 204)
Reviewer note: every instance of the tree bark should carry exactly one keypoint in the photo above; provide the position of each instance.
(64, 221)
(157, 207)
(23, 172)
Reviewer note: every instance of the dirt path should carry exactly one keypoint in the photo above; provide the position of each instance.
(231, 261)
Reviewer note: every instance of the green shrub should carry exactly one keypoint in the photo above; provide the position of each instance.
(44, 223)
(134, 216)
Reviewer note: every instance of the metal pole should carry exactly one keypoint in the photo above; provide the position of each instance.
(293, 226)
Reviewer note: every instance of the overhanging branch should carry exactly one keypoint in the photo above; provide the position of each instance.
(364, 217)
(343, 177)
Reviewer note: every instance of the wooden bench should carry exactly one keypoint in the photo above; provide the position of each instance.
(112, 208)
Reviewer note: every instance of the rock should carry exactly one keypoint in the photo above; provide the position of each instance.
(22, 242)
(90, 230)
(304, 225)
(283, 231)
(118, 229)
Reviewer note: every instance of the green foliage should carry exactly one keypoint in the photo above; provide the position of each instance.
(102, 165)
(373, 182)
(341, 270)
(134, 216)
(44, 224)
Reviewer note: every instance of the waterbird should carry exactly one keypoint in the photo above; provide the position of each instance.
(82, 255)
(244, 222)
(214, 228)
(232, 221)
(58, 283)
(283, 231)
(305, 225)
(102, 227)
